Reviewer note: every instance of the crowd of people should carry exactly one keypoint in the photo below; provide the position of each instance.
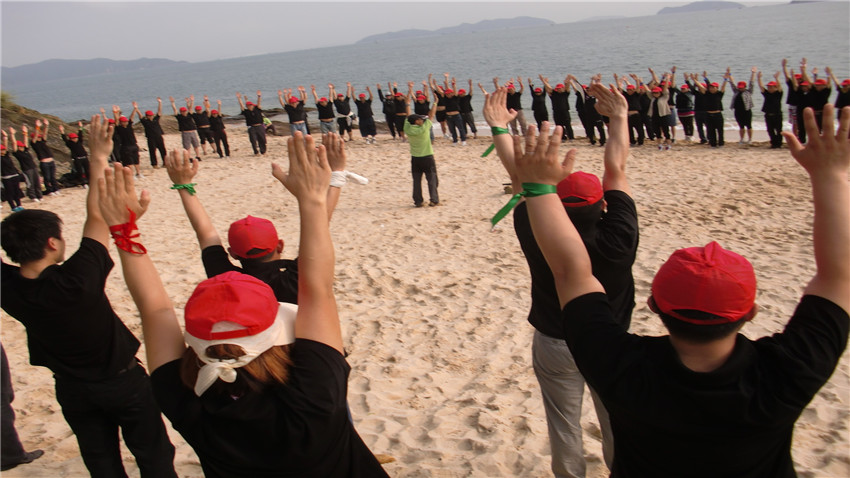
(257, 384)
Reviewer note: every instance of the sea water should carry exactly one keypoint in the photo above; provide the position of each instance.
(713, 40)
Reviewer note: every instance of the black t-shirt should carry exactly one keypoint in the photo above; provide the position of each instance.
(298, 429)
(364, 108)
(713, 101)
(296, 113)
(42, 151)
(280, 275)
(421, 108)
(326, 111)
(842, 100)
(126, 135)
(633, 101)
(736, 421)
(343, 107)
(185, 123)
(684, 101)
(819, 99)
(76, 147)
(514, 100)
(202, 119)
(538, 104)
(465, 103)
(791, 98)
(452, 104)
(7, 167)
(560, 101)
(772, 102)
(152, 127)
(612, 246)
(217, 123)
(24, 159)
(71, 327)
(253, 117)
(400, 105)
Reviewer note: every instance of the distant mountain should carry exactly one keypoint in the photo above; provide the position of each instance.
(62, 69)
(701, 7)
(482, 26)
(602, 18)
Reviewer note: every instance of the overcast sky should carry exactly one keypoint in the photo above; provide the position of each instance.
(34, 31)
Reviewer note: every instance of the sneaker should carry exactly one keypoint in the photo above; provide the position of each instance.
(660, 147)
(433, 204)
(667, 147)
(28, 457)
(19, 208)
(463, 143)
(418, 205)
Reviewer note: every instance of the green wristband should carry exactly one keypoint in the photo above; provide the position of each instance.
(495, 130)
(528, 190)
(188, 187)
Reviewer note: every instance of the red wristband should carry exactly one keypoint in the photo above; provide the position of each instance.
(123, 234)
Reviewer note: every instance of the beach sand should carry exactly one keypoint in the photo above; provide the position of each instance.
(433, 305)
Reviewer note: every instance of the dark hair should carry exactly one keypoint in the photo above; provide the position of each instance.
(269, 368)
(24, 234)
(699, 333)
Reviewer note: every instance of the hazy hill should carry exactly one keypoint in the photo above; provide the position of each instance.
(62, 69)
(701, 6)
(482, 26)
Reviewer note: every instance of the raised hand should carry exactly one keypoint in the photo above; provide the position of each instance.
(118, 196)
(826, 152)
(335, 149)
(100, 139)
(309, 173)
(539, 163)
(608, 101)
(496, 112)
(181, 169)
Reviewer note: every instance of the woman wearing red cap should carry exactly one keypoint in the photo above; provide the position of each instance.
(153, 131)
(742, 104)
(772, 109)
(217, 127)
(261, 388)
(74, 142)
(712, 96)
(365, 116)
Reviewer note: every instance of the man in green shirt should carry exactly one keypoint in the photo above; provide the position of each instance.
(418, 131)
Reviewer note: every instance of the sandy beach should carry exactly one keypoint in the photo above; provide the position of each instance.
(433, 304)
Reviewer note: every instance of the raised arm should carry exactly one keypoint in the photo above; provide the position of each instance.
(313, 90)
(259, 99)
(828, 70)
(100, 147)
(308, 180)
(761, 83)
(238, 98)
(497, 116)
(610, 103)
(337, 157)
(826, 158)
(181, 171)
(546, 85)
(174, 107)
(207, 104)
(163, 335)
(557, 237)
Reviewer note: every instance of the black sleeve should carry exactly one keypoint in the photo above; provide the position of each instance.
(320, 372)
(618, 233)
(84, 273)
(216, 261)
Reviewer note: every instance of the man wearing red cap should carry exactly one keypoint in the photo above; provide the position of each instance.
(843, 97)
(772, 109)
(188, 130)
(343, 109)
(253, 241)
(518, 124)
(153, 131)
(560, 98)
(79, 156)
(201, 116)
(706, 401)
(325, 109)
(254, 120)
(401, 106)
(606, 216)
(712, 97)
(538, 104)
(453, 119)
(73, 331)
(633, 102)
(128, 152)
(294, 107)
(11, 177)
(21, 152)
(365, 116)
(465, 107)
(218, 131)
(742, 105)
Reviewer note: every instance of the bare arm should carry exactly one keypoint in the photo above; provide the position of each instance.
(259, 99)
(100, 147)
(163, 335)
(613, 105)
(174, 107)
(335, 148)
(182, 170)
(239, 99)
(826, 158)
(497, 116)
(308, 180)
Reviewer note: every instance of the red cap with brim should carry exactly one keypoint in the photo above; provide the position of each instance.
(709, 279)
(122, 119)
(846, 82)
(559, 86)
(630, 87)
(20, 144)
(361, 95)
(538, 90)
(684, 87)
(820, 81)
(293, 99)
(323, 99)
(110, 121)
(771, 83)
(213, 112)
(252, 237)
(183, 108)
(715, 84)
(449, 92)
(805, 83)
(248, 103)
(242, 300)
(742, 84)
(148, 113)
(421, 98)
(657, 90)
(580, 189)
(73, 136)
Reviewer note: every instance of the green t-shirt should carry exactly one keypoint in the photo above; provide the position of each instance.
(419, 137)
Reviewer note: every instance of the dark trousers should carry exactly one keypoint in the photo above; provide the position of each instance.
(773, 121)
(426, 165)
(12, 187)
(562, 119)
(221, 137)
(257, 135)
(367, 126)
(469, 121)
(154, 144)
(10, 445)
(390, 123)
(81, 165)
(646, 121)
(700, 119)
(456, 126)
(635, 125)
(206, 135)
(96, 410)
(48, 173)
(714, 129)
(540, 117)
(661, 126)
(33, 183)
(687, 124)
(343, 124)
(589, 125)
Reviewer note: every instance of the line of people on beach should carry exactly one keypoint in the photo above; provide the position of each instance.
(257, 382)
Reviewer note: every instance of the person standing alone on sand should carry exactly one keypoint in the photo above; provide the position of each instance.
(73, 331)
(418, 129)
(606, 215)
(254, 120)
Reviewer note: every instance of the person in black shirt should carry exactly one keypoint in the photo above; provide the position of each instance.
(366, 119)
(401, 105)
(73, 331)
(465, 105)
(713, 96)
(188, 130)
(294, 107)
(11, 177)
(633, 112)
(129, 149)
(453, 117)
(280, 406)
(772, 109)
(45, 157)
(254, 120)
(560, 96)
(842, 99)
(388, 108)
(518, 125)
(343, 109)
(538, 104)
(253, 241)
(706, 401)
(79, 156)
(607, 218)
(325, 109)
(21, 152)
(590, 118)
(201, 117)
(219, 135)
(153, 131)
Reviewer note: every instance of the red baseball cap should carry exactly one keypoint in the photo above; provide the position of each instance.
(771, 83)
(584, 188)
(73, 136)
(657, 89)
(461, 91)
(122, 118)
(742, 84)
(323, 99)
(510, 85)
(148, 113)
(248, 103)
(213, 112)
(805, 83)
(538, 90)
(20, 144)
(399, 94)
(449, 91)
(684, 87)
(252, 237)
(183, 108)
(708, 279)
(421, 98)
(846, 82)
(233, 297)
(110, 121)
(293, 99)
(630, 87)
(559, 85)
(198, 108)
(361, 95)
(418, 92)
(820, 81)
(2, 147)
(715, 84)
(340, 95)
